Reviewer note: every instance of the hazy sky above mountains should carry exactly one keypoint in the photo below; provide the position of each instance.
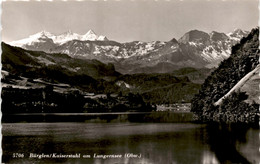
(127, 20)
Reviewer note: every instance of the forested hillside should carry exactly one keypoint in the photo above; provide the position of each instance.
(167, 88)
(244, 58)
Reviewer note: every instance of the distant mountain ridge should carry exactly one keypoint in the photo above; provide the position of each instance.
(42, 36)
(195, 48)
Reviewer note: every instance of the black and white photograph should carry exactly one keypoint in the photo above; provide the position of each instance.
(130, 81)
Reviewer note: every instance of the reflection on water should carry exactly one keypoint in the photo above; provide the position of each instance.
(176, 143)
(228, 141)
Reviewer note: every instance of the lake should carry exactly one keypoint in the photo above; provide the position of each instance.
(128, 142)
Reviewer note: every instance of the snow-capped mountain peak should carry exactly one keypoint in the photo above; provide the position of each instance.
(90, 35)
(238, 31)
(90, 32)
(237, 34)
(35, 38)
(66, 36)
(102, 38)
(41, 34)
(57, 39)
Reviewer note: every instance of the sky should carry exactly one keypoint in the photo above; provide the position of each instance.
(127, 20)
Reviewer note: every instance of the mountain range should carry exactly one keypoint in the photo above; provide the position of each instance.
(195, 48)
(29, 70)
(45, 36)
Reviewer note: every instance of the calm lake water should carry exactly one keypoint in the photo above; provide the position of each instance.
(137, 143)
